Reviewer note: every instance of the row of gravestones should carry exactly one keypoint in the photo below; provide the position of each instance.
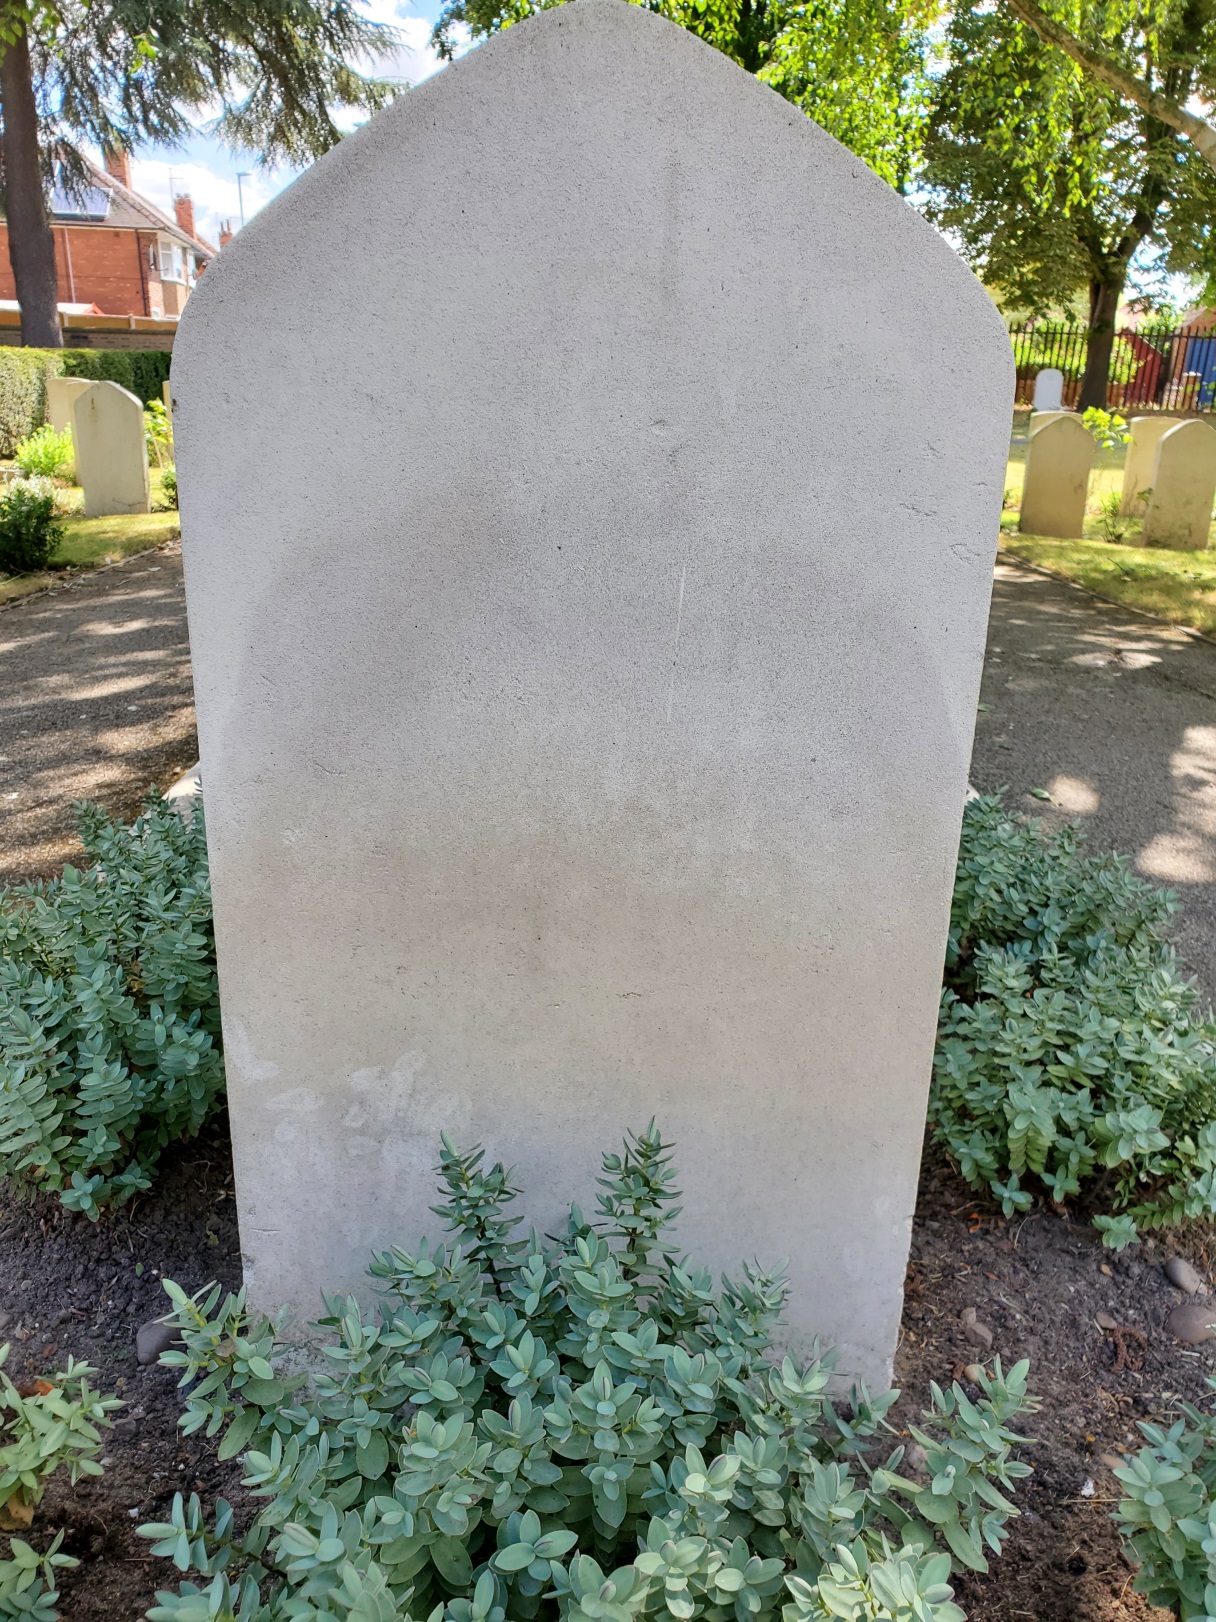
(107, 426)
(1169, 478)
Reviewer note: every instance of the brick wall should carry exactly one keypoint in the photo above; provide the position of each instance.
(103, 266)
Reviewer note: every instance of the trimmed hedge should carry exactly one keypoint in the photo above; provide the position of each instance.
(23, 375)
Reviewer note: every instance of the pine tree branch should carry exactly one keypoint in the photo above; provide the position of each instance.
(1110, 72)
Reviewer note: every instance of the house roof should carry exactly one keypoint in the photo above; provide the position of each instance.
(127, 210)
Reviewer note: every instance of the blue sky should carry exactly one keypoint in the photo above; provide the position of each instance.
(207, 172)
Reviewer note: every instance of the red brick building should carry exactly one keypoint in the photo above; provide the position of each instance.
(116, 250)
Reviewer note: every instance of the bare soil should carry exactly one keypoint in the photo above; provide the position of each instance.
(1037, 1283)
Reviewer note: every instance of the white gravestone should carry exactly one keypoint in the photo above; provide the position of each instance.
(579, 747)
(111, 451)
(61, 392)
(1141, 460)
(1039, 419)
(1179, 510)
(1056, 486)
(1049, 389)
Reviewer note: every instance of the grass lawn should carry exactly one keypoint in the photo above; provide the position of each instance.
(1177, 586)
(88, 542)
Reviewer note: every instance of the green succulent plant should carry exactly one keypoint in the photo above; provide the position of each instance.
(583, 1427)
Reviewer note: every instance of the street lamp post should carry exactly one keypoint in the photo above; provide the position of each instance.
(245, 175)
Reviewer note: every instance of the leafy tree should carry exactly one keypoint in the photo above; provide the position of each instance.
(857, 67)
(1150, 97)
(118, 73)
(1050, 179)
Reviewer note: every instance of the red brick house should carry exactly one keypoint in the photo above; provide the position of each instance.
(116, 251)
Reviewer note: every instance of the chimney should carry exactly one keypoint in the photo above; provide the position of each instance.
(118, 164)
(183, 207)
(225, 233)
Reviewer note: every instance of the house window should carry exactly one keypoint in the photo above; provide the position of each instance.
(172, 261)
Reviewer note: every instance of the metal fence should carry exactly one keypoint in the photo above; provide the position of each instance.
(1149, 371)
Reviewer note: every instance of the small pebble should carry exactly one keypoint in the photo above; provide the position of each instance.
(914, 1457)
(125, 1427)
(6, 1318)
(1192, 1323)
(152, 1339)
(1105, 1321)
(1183, 1276)
(972, 1372)
(1087, 1489)
(977, 1333)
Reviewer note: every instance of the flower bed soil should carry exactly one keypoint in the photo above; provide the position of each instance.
(1038, 1283)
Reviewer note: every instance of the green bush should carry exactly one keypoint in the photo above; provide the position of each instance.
(109, 1010)
(1070, 1052)
(584, 1426)
(1168, 1516)
(143, 371)
(168, 484)
(46, 452)
(23, 375)
(29, 529)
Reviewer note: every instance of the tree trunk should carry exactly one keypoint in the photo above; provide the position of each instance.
(1104, 296)
(31, 242)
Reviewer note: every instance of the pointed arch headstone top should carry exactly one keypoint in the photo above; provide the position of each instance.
(587, 583)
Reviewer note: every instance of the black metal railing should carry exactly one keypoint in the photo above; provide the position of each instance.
(1149, 370)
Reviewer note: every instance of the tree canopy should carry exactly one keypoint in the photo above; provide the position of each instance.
(267, 74)
(1050, 180)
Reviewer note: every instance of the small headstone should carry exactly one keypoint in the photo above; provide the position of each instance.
(1058, 459)
(1138, 469)
(60, 393)
(562, 781)
(1179, 510)
(1039, 419)
(111, 451)
(1049, 389)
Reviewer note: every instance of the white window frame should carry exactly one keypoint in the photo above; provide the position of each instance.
(171, 261)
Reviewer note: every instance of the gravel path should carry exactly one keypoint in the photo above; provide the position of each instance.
(1112, 713)
(96, 702)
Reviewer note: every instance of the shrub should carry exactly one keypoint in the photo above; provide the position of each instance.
(1070, 1052)
(44, 1426)
(29, 529)
(23, 375)
(168, 484)
(1168, 1517)
(46, 452)
(109, 1010)
(143, 371)
(585, 1426)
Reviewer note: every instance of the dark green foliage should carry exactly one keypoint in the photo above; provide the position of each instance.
(1070, 1051)
(520, 1417)
(168, 483)
(109, 1010)
(142, 371)
(23, 375)
(1168, 1514)
(29, 530)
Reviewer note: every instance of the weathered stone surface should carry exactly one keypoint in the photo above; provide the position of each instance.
(1183, 1276)
(1140, 465)
(1194, 1322)
(580, 743)
(1058, 460)
(60, 393)
(1049, 389)
(1179, 510)
(111, 450)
